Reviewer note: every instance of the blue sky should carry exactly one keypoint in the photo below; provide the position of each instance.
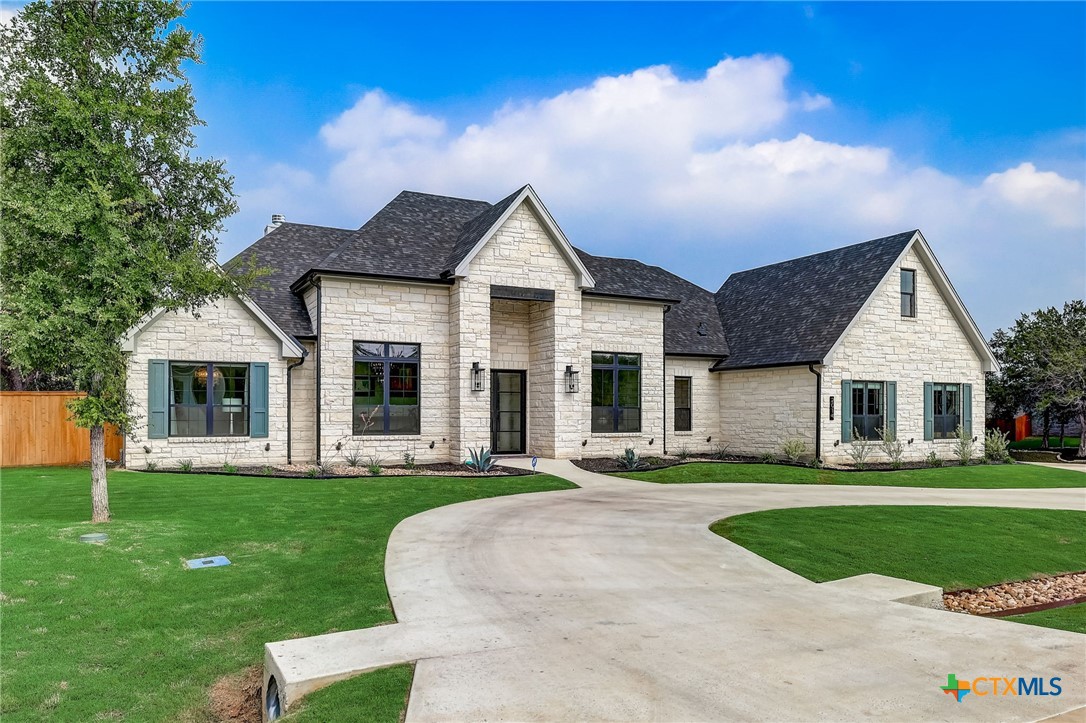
(706, 138)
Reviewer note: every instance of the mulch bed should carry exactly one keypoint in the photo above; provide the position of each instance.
(605, 465)
(340, 471)
(1014, 598)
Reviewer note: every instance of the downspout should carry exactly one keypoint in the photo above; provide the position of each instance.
(818, 412)
(663, 349)
(317, 348)
(290, 407)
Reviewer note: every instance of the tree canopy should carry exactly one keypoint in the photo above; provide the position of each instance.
(106, 215)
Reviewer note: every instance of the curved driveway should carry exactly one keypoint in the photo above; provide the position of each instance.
(617, 603)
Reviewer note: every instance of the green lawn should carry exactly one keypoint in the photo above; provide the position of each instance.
(122, 630)
(1053, 439)
(1072, 617)
(980, 476)
(952, 547)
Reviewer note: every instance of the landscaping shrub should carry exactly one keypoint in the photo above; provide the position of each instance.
(933, 460)
(408, 459)
(152, 466)
(373, 465)
(963, 446)
(630, 460)
(768, 458)
(720, 451)
(892, 447)
(481, 461)
(229, 468)
(353, 456)
(860, 450)
(794, 449)
(995, 447)
(683, 454)
(185, 465)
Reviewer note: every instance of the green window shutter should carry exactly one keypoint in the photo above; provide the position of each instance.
(891, 406)
(158, 399)
(258, 399)
(929, 411)
(967, 409)
(846, 410)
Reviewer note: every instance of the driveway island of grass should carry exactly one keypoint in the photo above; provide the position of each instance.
(123, 631)
(952, 547)
(1002, 476)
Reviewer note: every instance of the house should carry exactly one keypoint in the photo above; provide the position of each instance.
(445, 324)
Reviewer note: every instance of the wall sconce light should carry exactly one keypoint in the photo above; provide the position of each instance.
(831, 409)
(431, 444)
(974, 439)
(709, 439)
(584, 442)
(651, 441)
(573, 380)
(267, 447)
(836, 443)
(911, 440)
(478, 377)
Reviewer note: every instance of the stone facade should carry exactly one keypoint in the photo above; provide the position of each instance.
(704, 405)
(225, 332)
(883, 345)
(761, 409)
(749, 411)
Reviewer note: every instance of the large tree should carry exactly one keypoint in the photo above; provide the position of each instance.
(1043, 360)
(105, 213)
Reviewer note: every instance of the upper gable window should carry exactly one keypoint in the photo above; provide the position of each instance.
(908, 292)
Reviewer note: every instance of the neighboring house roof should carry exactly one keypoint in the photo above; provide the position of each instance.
(795, 311)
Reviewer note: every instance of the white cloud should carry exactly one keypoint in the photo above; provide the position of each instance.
(677, 170)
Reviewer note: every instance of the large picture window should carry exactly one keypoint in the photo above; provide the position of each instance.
(682, 404)
(386, 388)
(209, 400)
(616, 392)
(868, 409)
(947, 409)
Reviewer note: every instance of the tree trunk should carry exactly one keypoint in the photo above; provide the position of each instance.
(1046, 423)
(1081, 436)
(99, 491)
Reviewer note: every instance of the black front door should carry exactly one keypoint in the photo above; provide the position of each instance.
(507, 427)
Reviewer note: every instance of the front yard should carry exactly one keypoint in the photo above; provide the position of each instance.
(122, 630)
(952, 547)
(974, 476)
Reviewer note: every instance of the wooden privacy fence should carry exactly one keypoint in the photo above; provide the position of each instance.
(34, 429)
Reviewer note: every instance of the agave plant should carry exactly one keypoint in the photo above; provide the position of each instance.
(480, 461)
(630, 459)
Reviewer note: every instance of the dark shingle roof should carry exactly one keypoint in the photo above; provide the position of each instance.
(289, 251)
(691, 327)
(787, 313)
(793, 312)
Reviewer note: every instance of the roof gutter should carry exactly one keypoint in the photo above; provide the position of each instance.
(775, 365)
(818, 413)
(631, 297)
(308, 278)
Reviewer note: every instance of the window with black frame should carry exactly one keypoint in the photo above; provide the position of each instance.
(386, 388)
(616, 392)
(908, 292)
(868, 410)
(209, 400)
(682, 404)
(946, 408)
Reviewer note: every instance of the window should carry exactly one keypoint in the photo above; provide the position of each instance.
(946, 409)
(682, 404)
(868, 410)
(194, 412)
(908, 292)
(616, 392)
(386, 388)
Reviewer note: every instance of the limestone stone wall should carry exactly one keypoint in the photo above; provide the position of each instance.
(379, 311)
(760, 409)
(705, 404)
(884, 346)
(624, 327)
(509, 337)
(303, 405)
(521, 253)
(224, 332)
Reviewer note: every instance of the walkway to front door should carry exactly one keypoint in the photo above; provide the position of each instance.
(507, 405)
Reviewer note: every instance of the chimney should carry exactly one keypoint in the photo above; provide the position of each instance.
(277, 219)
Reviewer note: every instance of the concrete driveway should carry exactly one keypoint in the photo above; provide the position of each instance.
(615, 602)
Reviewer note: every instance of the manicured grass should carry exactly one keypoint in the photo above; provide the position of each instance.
(952, 547)
(122, 630)
(1072, 617)
(978, 476)
(1053, 440)
(378, 697)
